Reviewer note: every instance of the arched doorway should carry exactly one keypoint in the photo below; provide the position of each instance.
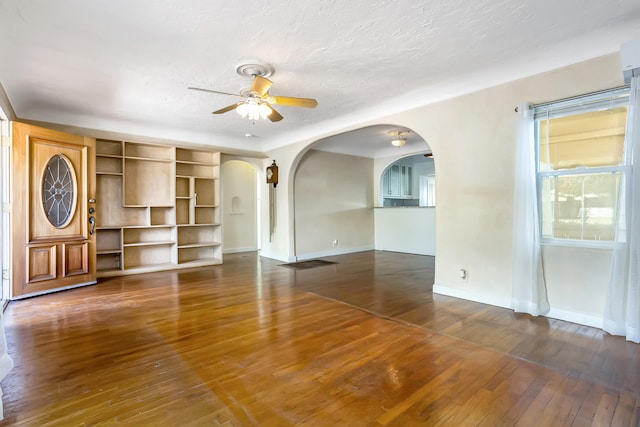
(337, 201)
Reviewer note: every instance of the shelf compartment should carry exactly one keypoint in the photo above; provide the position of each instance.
(108, 240)
(204, 190)
(108, 165)
(148, 151)
(197, 156)
(146, 256)
(196, 170)
(108, 148)
(198, 235)
(157, 243)
(205, 215)
(147, 236)
(182, 187)
(108, 262)
(163, 216)
(182, 211)
(148, 183)
(204, 255)
(109, 209)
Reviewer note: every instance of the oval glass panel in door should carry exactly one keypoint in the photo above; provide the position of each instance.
(58, 191)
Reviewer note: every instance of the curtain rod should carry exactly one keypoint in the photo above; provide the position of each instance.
(571, 98)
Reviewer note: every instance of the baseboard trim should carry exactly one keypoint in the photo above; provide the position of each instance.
(554, 313)
(574, 317)
(268, 254)
(238, 250)
(332, 252)
(471, 296)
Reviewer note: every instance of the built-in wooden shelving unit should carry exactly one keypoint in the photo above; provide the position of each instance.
(157, 207)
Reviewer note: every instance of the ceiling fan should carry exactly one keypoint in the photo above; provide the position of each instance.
(257, 102)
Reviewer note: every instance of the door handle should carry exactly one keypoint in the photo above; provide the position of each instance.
(92, 221)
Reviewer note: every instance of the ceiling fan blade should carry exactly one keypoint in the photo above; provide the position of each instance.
(274, 116)
(260, 85)
(294, 102)
(226, 109)
(214, 91)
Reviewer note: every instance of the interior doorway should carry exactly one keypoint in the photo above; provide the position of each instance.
(240, 205)
(5, 167)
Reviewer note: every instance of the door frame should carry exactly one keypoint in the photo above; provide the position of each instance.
(5, 230)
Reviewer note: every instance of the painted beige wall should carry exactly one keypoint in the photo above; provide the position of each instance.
(333, 202)
(473, 141)
(406, 229)
(239, 216)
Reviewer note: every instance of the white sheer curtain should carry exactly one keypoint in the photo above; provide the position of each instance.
(622, 306)
(529, 292)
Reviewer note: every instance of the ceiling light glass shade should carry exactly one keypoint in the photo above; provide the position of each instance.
(253, 109)
(398, 142)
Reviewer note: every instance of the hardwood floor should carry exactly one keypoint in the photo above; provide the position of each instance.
(363, 342)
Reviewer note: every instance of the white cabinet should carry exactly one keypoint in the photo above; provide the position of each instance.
(398, 182)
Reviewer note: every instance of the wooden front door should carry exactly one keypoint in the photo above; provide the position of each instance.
(52, 194)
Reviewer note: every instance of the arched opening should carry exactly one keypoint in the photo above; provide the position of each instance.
(338, 203)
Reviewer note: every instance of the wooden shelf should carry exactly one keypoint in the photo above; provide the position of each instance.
(109, 156)
(109, 251)
(200, 262)
(109, 173)
(194, 163)
(148, 159)
(148, 268)
(133, 227)
(199, 245)
(158, 243)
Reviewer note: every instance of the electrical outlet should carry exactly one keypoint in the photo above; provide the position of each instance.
(463, 274)
(5, 274)
(335, 242)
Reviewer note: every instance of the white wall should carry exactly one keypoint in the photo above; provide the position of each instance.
(333, 202)
(473, 139)
(406, 229)
(239, 209)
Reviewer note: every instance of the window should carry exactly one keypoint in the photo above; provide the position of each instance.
(579, 149)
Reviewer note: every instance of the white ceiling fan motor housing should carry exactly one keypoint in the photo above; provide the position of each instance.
(254, 67)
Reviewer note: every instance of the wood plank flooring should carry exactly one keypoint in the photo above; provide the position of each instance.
(363, 342)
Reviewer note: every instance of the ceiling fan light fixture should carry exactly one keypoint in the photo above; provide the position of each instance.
(253, 109)
(398, 137)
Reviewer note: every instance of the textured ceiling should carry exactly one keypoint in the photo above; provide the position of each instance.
(122, 65)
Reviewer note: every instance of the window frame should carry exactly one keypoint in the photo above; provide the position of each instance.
(606, 99)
